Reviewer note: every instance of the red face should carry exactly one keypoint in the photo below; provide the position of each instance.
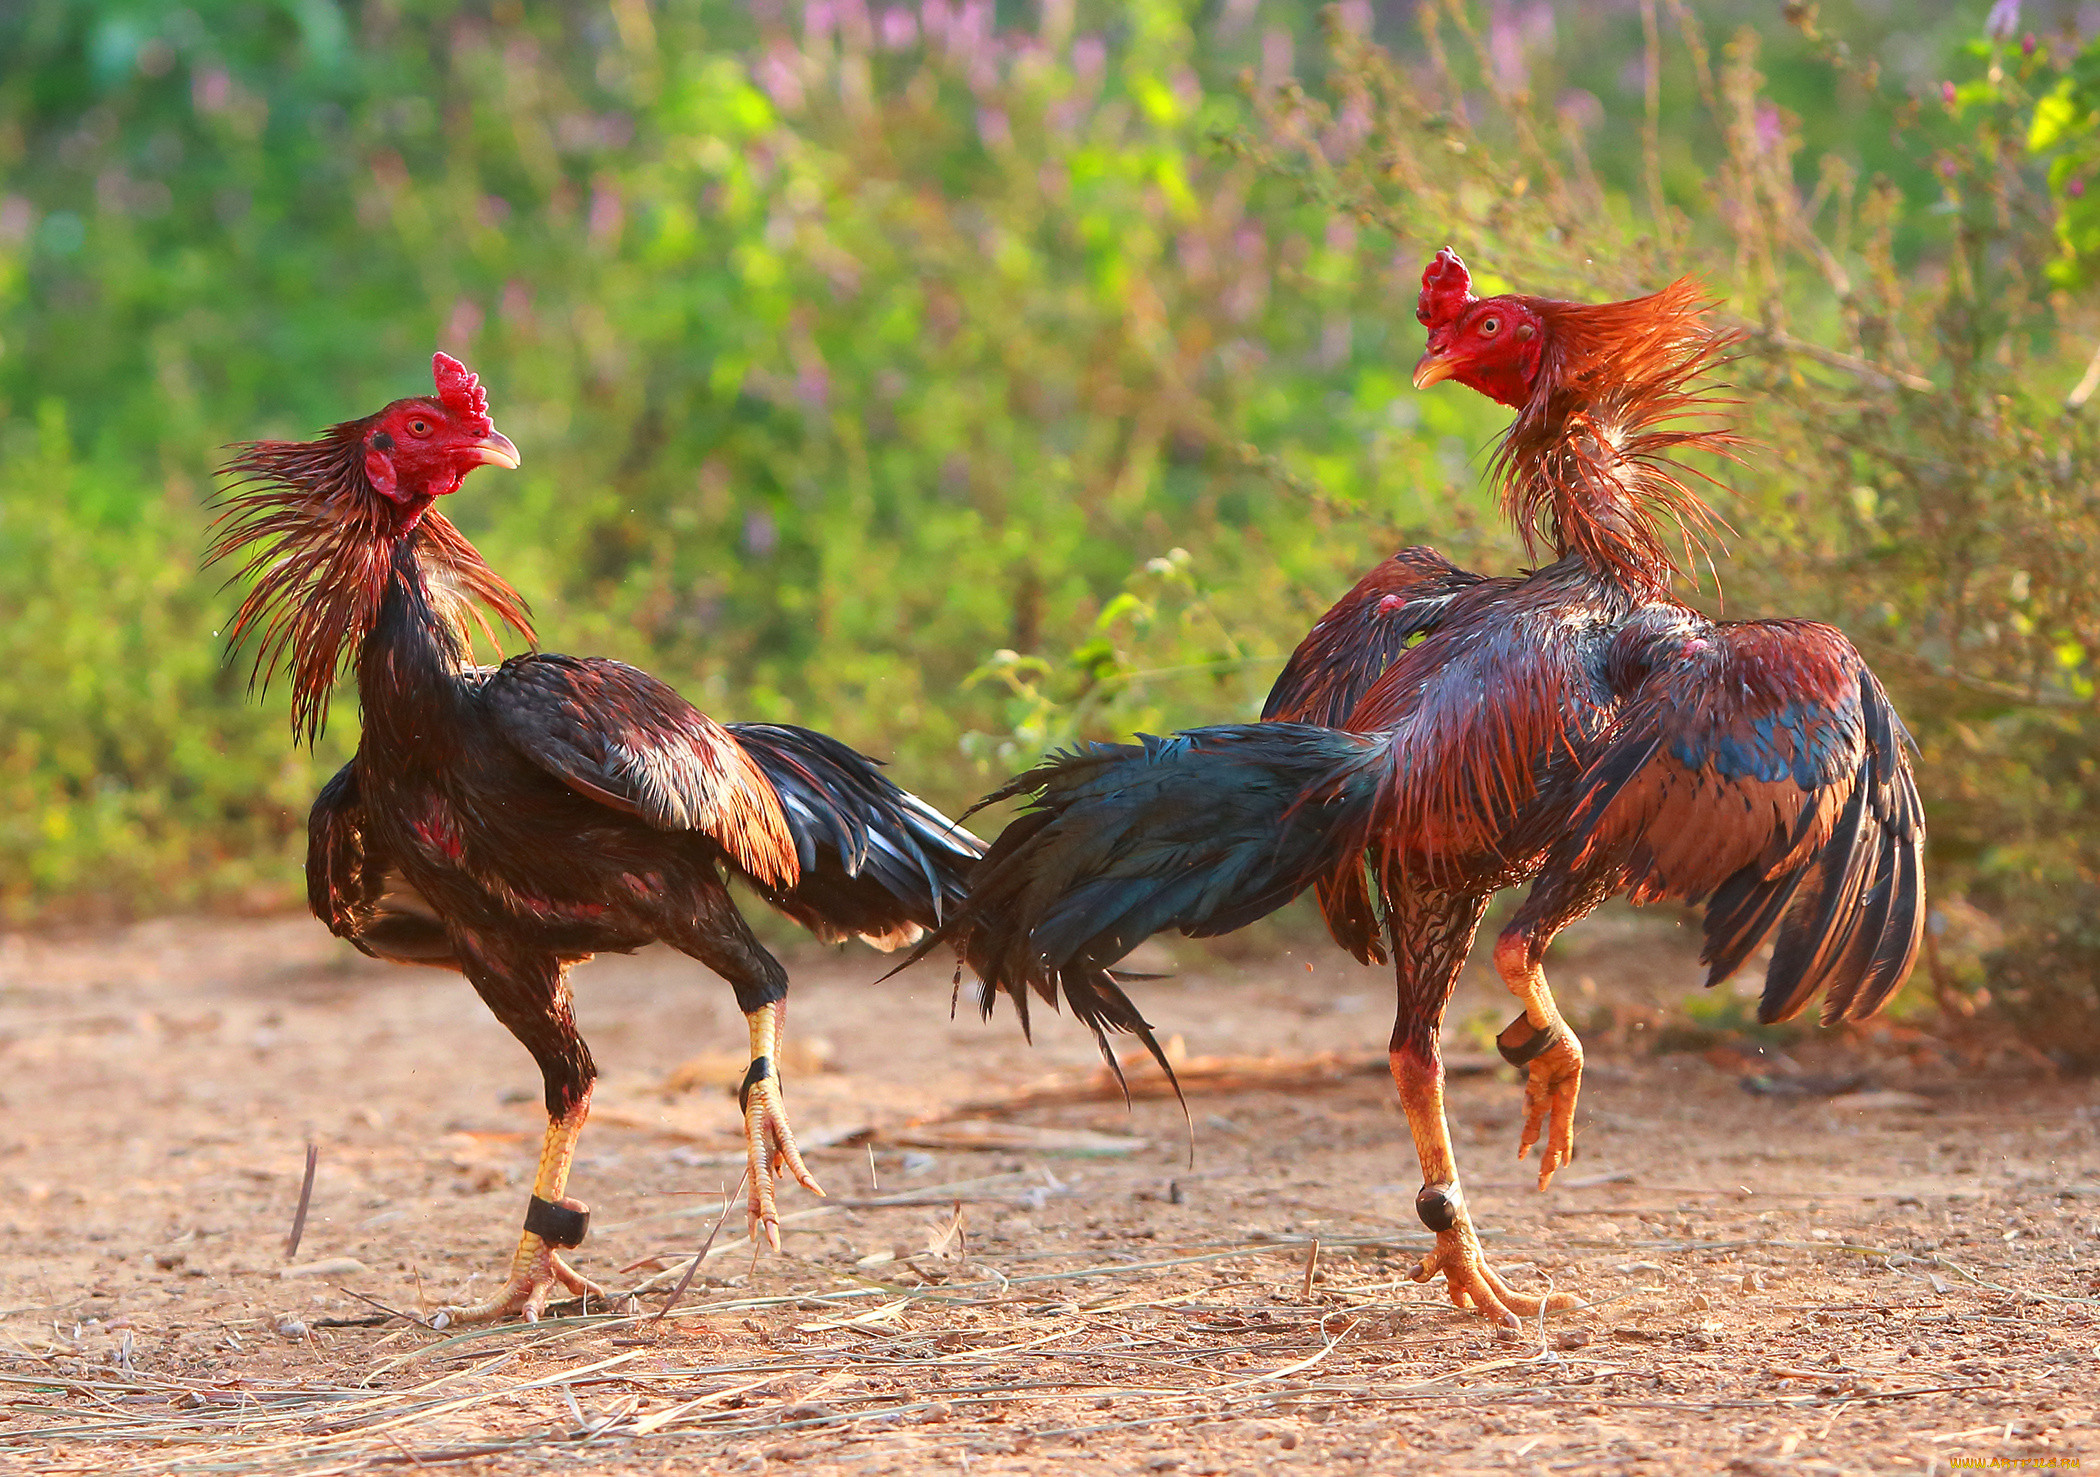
(417, 450)
(1493, 346)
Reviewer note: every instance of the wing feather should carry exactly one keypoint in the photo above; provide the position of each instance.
(353, 886)
(1350, 647)
(1760, 766)
(618, 736)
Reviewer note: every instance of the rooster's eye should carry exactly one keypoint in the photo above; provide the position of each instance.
(420, 428)
(1490, 325)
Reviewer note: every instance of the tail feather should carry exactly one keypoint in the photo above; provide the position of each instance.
(877, 862)
(1853, 918)
(1201, 832)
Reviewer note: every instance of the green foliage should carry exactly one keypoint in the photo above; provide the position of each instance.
(130, 767)
(839, 356)
(2063, 126)
(966, 381)
(1920, 471)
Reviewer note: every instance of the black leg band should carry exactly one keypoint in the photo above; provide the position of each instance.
(560, 1223)
(1438, 1206)
(1520, 1041)
(761, 1069)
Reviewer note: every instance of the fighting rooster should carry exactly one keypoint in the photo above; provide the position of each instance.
(510, 822)
(1441, 735)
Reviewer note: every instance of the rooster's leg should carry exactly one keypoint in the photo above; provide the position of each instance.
(1430, 937)
(768, 1139)
(717, 935)
(1418, 1071)
(530, 995)
(1540, 1042)
(553, 1222)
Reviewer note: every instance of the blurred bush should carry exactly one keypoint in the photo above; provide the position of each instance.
(842, 353)
(965, 379)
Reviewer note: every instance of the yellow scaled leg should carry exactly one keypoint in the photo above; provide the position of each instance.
(768, 1140)
(537, 1268)
(1540, 1042)
(1442, 1205)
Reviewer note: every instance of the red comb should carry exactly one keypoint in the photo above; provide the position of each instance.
(1446, 288)
(459, 390)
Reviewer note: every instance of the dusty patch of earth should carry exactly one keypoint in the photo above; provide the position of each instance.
(1897, 1281)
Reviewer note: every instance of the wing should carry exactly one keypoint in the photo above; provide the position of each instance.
(1760, 766)
(1391, 608)
(617, 735)
(352, 886)
(874, 861)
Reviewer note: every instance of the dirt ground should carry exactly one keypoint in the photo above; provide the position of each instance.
(1900, 1278)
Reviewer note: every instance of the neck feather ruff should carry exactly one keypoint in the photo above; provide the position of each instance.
(319, 545)
(1588, 462)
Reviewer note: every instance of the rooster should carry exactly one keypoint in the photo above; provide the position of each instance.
(1441, 735)
(510, 822)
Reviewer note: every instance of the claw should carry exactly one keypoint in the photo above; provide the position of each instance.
(770, 1144)
(536, 1271)
(1474, 1284)
(1549, 1104)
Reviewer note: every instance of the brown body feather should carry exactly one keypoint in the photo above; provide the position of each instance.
(511, 821)
(1576, 728)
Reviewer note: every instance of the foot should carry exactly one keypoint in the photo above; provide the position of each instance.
(1474, 1284)
(771, 1146)
(536, 1271)
(1549, 1103)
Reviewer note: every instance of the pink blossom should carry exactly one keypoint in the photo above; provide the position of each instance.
(1089, 60)
(900, 28)
(1767, 128)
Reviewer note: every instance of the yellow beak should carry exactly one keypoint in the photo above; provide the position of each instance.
(1434, 368)
(495, 450)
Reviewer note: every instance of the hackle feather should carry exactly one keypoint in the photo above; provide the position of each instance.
(317, 545)
(1591, 462)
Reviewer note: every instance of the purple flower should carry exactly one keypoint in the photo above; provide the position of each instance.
(899, 28)
(1089, 60)
(761, 533)
(781, 78)
(1768, 129)
(2003, 20)
(608, 216)
(1276, 57)
(934, 20)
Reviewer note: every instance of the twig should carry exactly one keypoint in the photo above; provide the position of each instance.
(306, 1195)
(2087, 383)
(728, 1201)
(1852, 364)
(382, 1307)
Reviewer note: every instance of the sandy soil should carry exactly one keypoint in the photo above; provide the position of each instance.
(1899, 1279)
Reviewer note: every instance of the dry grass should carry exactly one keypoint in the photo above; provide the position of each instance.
(1775, 1283)
(861, 1357)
